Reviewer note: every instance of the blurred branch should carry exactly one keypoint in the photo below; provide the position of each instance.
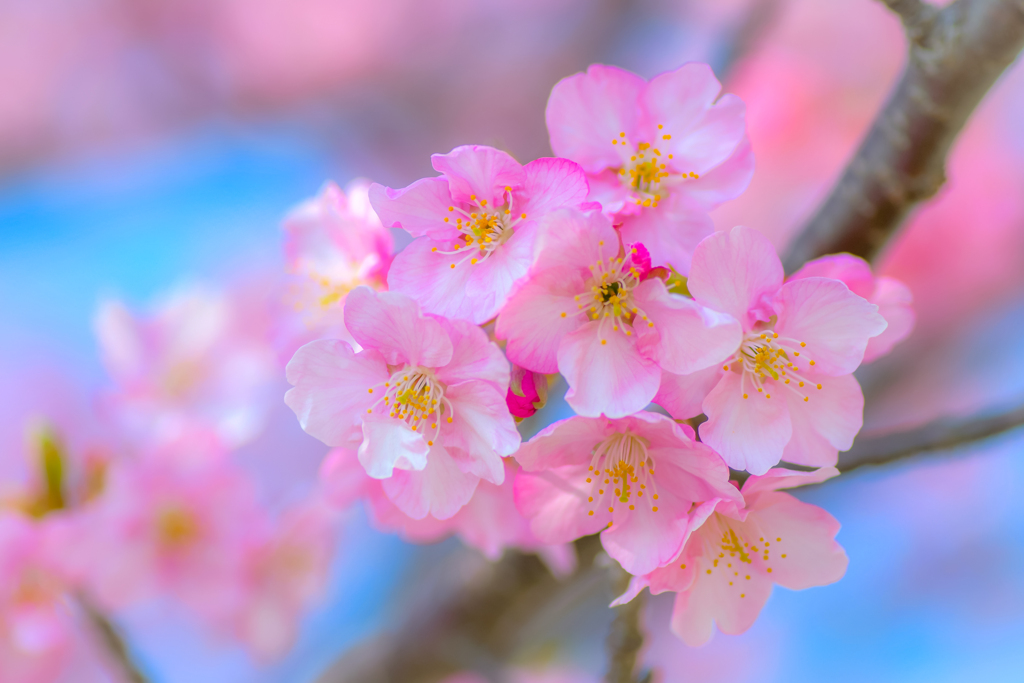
(746, 35)
(114, 643)
(941, 434)
(625, 638)
(956, 55)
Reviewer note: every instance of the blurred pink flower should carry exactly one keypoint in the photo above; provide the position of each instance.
(635, 480)
(578, 309)
(424, 401)
(746, 533)
(475, 227)
(659, 154)
(892, 297)
(816, 322)
(197, 357)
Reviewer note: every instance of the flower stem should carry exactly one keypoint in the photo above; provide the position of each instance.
(625, 638)
(113, 641)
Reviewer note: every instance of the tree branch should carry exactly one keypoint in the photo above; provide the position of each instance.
(625, 637)
(115, 645)
(956, 55)
(941, 434)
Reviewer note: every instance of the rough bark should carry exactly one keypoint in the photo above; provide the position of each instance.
(956, 54)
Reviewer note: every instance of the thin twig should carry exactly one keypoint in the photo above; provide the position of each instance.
(115, 645)
(942, 434)
(625, 637)
(956, 55)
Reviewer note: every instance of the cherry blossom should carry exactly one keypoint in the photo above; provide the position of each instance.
(527, 392)
(634, 479)
(475, 227)
(738, 549)
(785, 390)
(423, 402)
(659, 155)
(893, 298)
(577, 312)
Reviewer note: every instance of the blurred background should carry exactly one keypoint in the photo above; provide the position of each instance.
(147, 146)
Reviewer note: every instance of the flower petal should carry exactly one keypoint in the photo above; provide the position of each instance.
(439, 489)
(671, 232)
(392, 323)
(683, 395)
(826, 422)
(532, 319)
(894, 300)
(567, 442)
(492, 279)
(726, 181)
(419, 208)
(389, 443)
(556, 505)
(478, 173)
(851, 270)
(482, 429)
(474, 356)
(750, 433)
(427, 276)
(552, 183)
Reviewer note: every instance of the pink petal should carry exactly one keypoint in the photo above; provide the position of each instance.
(492, 280)
(573, 240)
(780, 478)
(614, 196)
(894, 300)
(532, 320)
(726, 181)
(389, 443)
(556, 505)
(482, 429)
(329, 394)
(736, 272)
(477, 173)
(420, 208)
(440, 489)
(474, 356)
(391, 323)
(826, 422)
(711, 599)
(427, 276)
(750, 433)
(671, 232)
(686, 337)
(551, 184)
(586, 111)
(834, 322)
(813, 558)
(606, 372)
(568, 442)
(343, 478)
(641, 539)
(852, 270)
(683, 395)
(714, 139)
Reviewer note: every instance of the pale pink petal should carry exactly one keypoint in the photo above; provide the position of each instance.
(726, 181)
(713, 140)
(606, 372)
(552, 183)
(780, 478)
(670, 232)
(736, 272)
(568, 442)
(556, 505)
(894, 304)
(440, 489)
(120, 341)
(711, 599)
(420, 208)
(586, 111)
(392, 324)
(474, 356)
(852, 270)
(683, 395)
(614, 196)
(492, 280)
(532, 320)
(813, 558)
(343, 479)
(750, 433)
(686, 336)
(427, 276)
(330, 389)
(389, 443)
(482, 430)
(826, 422)
(679, 99)
(641, 539)
(479, 171)
(834, 322)
(573, 240)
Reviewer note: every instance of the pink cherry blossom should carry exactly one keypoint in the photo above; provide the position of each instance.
(35, 624)
(738, 550)
(634, 480)
(194, 358)
(334, 242)
(892, 297)
(659, 155)
(489, 522)
(527, 392)
(577, 312)
(285, 574)
(786, 390)
(423, 402)
(178, 522)
(475, 227)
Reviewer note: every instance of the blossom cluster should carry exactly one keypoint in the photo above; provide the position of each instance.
(690, 360)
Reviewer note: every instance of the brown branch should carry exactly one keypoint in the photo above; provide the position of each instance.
(625, 637)
(942, 434)
(116, 648)
(956, 55)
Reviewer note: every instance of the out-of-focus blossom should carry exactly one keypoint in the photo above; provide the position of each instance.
(489, 522)
(659, 154)
(35, 624)
(786, 391)
(892, 297)
(195, 358)
(334, 242)
(738, 550)
(475, 227)
(580, 306)
(527, 392)
(285, 574)
(423, 402)
(550, 674)
(178, 522)
(636, 480)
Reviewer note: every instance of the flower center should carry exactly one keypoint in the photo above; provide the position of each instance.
(622, 469)
(764, 358)
(730, 550)
(415, 395)
(647, 173)
(482, 228)
(176, 527)
(611, 283)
